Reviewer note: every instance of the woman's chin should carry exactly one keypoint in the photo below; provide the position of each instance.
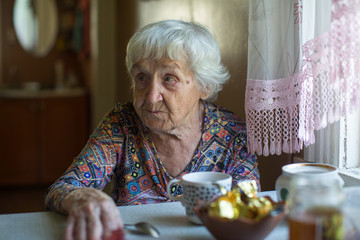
(157, 126)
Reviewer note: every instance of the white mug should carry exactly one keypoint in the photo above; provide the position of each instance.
(198, 186)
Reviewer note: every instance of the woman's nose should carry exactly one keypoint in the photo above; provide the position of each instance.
(154, 92)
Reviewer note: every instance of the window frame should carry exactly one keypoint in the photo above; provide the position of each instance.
(349, 144)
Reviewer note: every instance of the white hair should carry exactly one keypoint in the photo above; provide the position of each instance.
(176, 40)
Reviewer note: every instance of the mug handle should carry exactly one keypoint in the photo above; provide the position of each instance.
(168, 190)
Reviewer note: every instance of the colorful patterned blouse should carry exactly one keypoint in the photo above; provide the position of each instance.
(122, 148)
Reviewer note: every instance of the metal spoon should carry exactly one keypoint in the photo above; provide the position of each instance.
(144, 228)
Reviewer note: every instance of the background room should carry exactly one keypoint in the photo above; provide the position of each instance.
(53, 95)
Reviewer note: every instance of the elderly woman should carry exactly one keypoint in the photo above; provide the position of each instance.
(169, 130)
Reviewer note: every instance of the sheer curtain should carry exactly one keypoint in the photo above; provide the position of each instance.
(303, 74)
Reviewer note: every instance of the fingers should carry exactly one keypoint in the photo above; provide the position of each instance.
(80, 228)
(69, 229)
(110, 218)
(98, 219)
(84, 223)
(94, 225)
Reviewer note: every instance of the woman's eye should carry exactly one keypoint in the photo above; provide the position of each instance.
(140, 77)
(169, 79)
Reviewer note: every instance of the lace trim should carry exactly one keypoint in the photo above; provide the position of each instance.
(282, 114)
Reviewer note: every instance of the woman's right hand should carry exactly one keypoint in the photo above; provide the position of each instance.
(92, 215)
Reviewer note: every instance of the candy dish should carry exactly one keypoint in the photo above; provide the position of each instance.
(241, 228)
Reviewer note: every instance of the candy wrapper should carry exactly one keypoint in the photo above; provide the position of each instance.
(241, 202)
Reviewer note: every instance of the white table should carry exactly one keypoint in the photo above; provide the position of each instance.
(169, 218)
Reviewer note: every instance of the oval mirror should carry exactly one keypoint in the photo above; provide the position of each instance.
(36, 25)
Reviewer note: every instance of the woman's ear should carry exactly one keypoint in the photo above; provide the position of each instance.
(204, 95)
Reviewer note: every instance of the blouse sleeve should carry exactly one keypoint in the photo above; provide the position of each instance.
(244, 166)
(92, 168)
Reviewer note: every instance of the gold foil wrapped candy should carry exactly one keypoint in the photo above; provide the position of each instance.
(241, 202)
(226, 205)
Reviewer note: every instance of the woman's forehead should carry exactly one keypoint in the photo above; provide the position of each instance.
(164, 63)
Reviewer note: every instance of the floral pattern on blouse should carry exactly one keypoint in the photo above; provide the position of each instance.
(121, 150)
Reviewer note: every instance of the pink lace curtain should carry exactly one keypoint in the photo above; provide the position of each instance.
(298, 81)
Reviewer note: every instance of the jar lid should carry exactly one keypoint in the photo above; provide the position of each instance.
(309, 169)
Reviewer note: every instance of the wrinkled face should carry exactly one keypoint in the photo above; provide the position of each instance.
(165, 95)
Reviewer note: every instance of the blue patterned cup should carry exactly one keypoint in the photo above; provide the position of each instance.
(197, 186)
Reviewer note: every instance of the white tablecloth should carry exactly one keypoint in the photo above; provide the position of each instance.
(169, 218)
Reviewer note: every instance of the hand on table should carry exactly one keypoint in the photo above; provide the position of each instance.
(92, 215)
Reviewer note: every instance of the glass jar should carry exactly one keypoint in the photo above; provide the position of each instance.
(308, 170)
(315, 209)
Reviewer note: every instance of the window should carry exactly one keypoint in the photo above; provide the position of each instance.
(349, 144)
(339, 145)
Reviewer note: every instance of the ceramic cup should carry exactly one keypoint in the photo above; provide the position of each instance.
(312, 171)
(197, 186)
